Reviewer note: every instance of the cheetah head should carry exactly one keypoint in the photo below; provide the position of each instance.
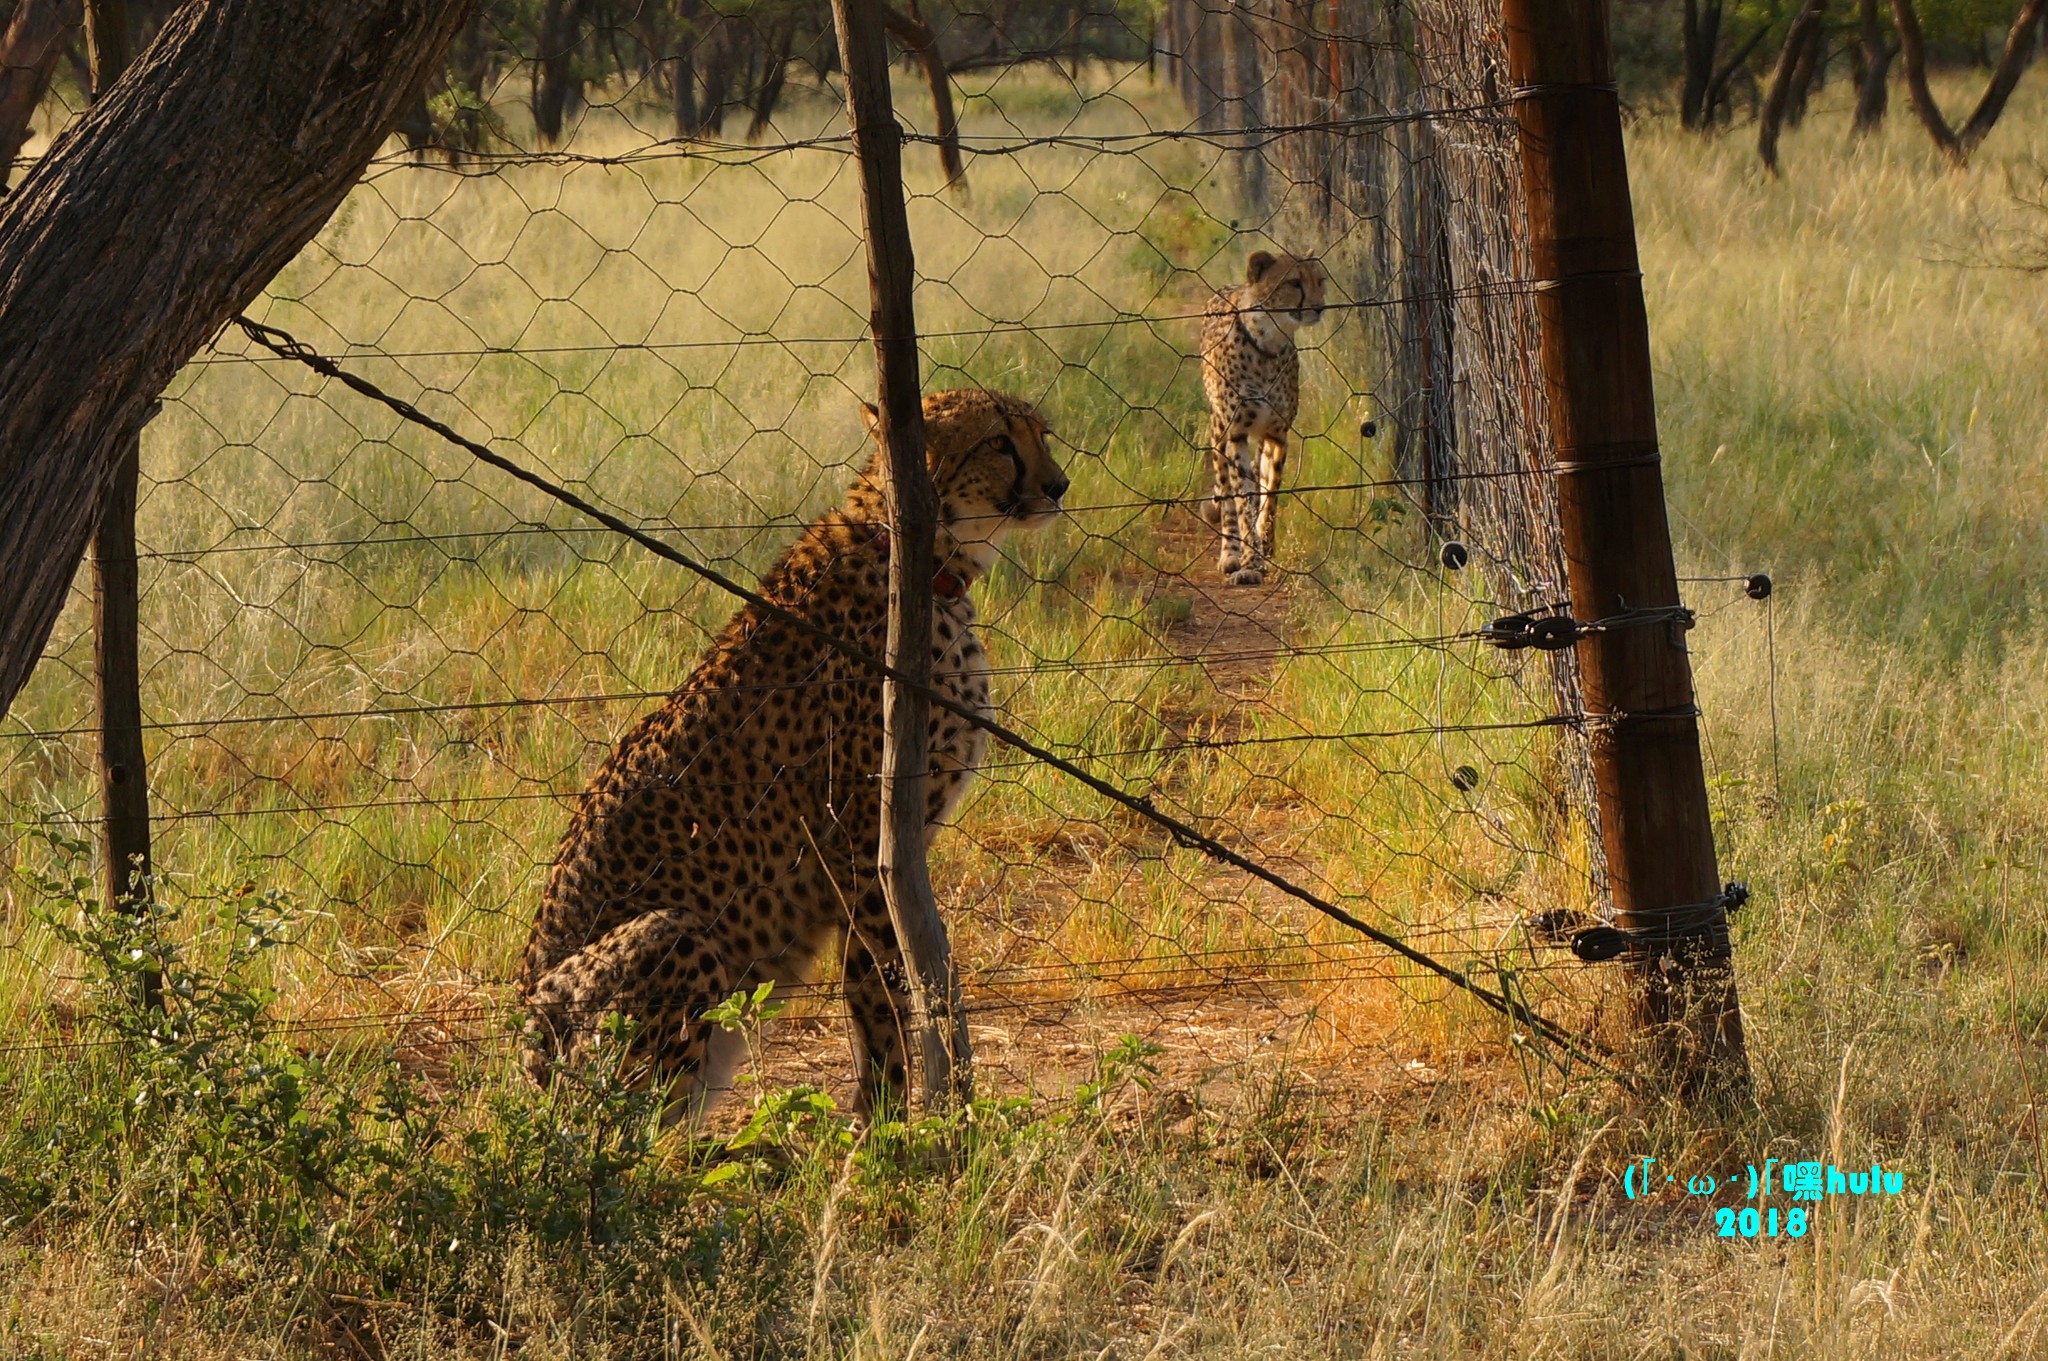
(991, 467)
(1284, 291)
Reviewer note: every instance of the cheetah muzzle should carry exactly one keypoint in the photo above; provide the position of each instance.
(731, 837)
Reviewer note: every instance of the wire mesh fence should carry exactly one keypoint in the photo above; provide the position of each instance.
(376, 673)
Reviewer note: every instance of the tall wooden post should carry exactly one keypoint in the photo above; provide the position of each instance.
(934, 984)
(116, 604)
(1638, 678)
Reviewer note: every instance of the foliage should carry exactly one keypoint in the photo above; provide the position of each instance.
(213, 1122)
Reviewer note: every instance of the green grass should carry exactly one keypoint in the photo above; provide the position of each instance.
(1848, 400)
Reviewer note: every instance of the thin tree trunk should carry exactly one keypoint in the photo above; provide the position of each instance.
(774, 73)
(116, 609)
(561, 27)
(114, 273)
(717, 76)
(1958, 143)
(1873, 88)
(917, 37)
(1724, 75)
(1803, 34)
(933, 978)
(36, 35)
(1702, 36)
(1809, 69)
(1200, 64)
(684, 75)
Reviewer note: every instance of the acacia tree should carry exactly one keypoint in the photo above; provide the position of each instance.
(155, 219)
(1795, 67)
(1958, 143)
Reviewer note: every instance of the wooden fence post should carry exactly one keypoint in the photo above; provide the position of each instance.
(934, 983)
(1638, 677)
(116, 605)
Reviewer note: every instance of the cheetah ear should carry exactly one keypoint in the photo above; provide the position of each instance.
(1256, 267)
(872, 419)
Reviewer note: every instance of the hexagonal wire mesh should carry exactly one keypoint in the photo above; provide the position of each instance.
(376, 673)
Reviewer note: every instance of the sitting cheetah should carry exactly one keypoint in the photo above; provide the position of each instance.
(731, 837)
(1253, 377)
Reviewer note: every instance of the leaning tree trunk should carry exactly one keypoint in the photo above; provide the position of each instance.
(1800, 39)
(1809, 70)
(113, 272)
(916, 35)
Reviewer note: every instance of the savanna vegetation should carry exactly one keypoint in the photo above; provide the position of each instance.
(326, 1149)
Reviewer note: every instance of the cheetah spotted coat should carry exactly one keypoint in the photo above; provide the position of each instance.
(1252, 375)
(731, 837)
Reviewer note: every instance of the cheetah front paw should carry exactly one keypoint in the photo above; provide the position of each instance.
(1245, 576)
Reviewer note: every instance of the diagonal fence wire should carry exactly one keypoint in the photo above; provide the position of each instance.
(1183, 834)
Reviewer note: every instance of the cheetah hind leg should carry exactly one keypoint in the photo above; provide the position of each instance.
(652, 970)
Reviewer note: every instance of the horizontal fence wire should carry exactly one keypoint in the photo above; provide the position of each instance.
(375, 674)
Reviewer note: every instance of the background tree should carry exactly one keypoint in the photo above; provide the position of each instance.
(1805, 36)
(1875, 52)
(113, 274)
(1958, 143)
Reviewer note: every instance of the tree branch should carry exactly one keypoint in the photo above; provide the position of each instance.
(917, 37)
(1805, 29)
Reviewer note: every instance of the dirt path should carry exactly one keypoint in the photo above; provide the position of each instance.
(1221, 1041)
(1233, 631)
(1223, 1032)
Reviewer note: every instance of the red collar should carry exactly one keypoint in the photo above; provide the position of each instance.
(950, 584)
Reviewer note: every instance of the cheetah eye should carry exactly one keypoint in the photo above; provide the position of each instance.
(1004, 445)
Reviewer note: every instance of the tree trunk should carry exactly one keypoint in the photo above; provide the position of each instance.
(1809, 69)
(683, 78)
(774, 73)
(716, 75)
(36, 35)
(1957, 144)
(561, 27)
(1873, 87)
(940, 1019)
(1724, 76)
(1702, 36)
(1803, 35)
(1198, 60)
(917, 37)
(156, 218)
(1244, 71)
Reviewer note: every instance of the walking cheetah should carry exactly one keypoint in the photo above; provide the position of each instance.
(731, 838)
(1253, 377)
